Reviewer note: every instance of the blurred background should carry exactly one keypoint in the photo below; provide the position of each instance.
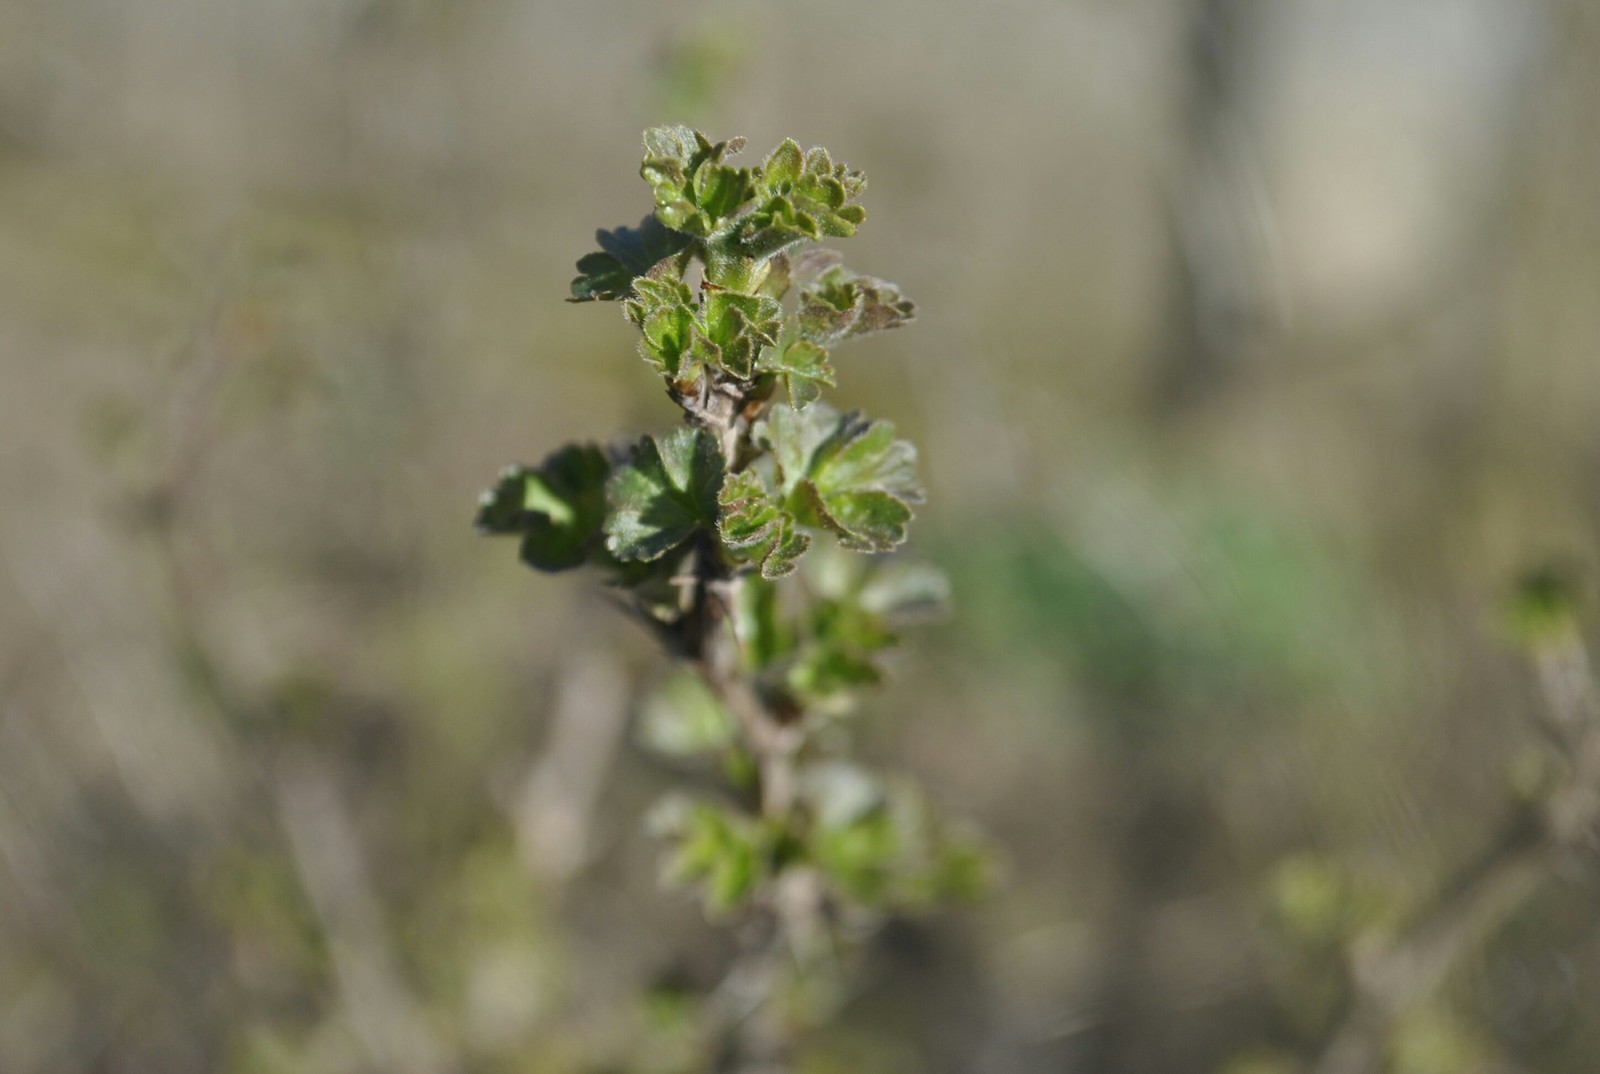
(1259, 352)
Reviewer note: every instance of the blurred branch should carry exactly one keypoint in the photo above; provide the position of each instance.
(1218, 217)
(1388, 977)
(327, 855)
(324, 846)
(554, 812)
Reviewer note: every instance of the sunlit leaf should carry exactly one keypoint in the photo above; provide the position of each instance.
(838, 304)
(799, 197)
(755, 524)
(694, 190)
(844, 473)
(804, 368)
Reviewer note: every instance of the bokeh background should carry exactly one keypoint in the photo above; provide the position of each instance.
(1259, 352)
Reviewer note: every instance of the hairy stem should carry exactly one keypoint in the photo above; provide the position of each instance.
(754, 1041)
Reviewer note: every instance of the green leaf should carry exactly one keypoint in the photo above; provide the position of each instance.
(766, 635)
(781, 170)
(727, 854)
(695, 192)
(664, 495)
(865, 520)
(727, 330)
(1545, 605)
(738, 326)
(659, 290)
(684, 719)
(663, 307)
(884, 847)
(845, 473)
(838, 304)
(799, 198)
(624, 255)
(557, 508)
(825, 678)
(852, 616)
(794, 437)
(671, 344)
(753, 522)
(804, 367)
(902, 591)
(865, 456)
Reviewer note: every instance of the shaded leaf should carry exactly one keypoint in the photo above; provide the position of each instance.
(557, 508)
(825, 677)
(1545, 605)
(624, 255)
(666, 493)
(884, 847)
(766, 635)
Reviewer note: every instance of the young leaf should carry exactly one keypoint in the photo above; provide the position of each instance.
(624, 255)
(694, 191)
(739, 326)
(799, 198)
(658, 290)
(664, 495)
(685, 719)
(825, 679)
(754, 523)
(804, 367)
(781, 170)
(726, 853)
(663, 307)
(845, 473)
(838, 303)
(557, 508)
(885, 847)
(794, 437)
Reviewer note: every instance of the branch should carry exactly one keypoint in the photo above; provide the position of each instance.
(1389, 977)
(554, 811)
(327, 854)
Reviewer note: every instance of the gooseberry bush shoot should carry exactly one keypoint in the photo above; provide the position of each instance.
(742, 540)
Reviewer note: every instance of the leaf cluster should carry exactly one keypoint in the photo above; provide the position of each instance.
(876, 845)
(743, 226)
(762, 494)
(803, 468)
